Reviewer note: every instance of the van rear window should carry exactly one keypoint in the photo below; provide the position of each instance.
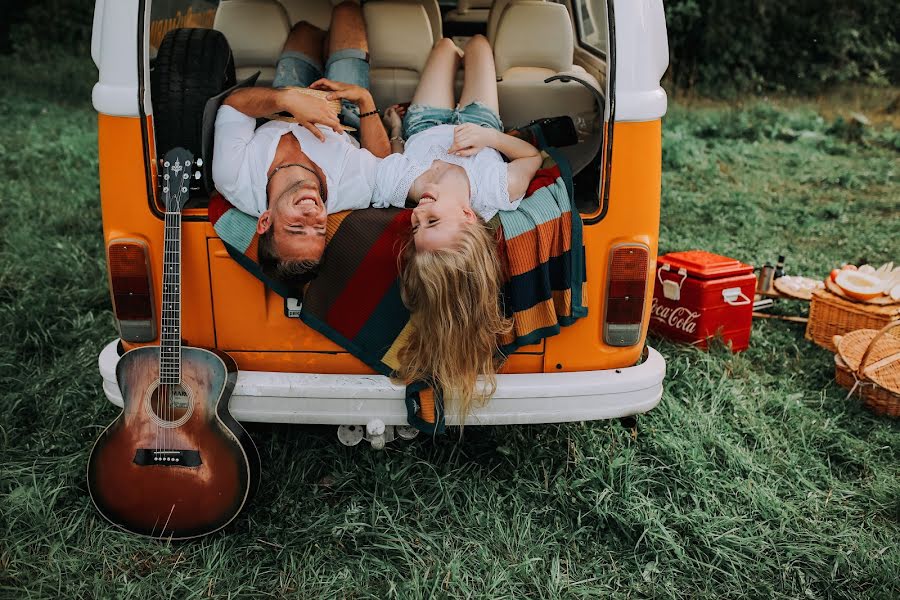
(166, 15)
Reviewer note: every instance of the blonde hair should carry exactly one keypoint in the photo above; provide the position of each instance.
(453, 295)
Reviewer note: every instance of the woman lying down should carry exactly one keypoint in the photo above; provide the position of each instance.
(452, 168)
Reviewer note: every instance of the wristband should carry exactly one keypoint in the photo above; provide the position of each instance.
(370, 113)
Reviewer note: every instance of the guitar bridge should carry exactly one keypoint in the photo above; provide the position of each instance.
(145, 457)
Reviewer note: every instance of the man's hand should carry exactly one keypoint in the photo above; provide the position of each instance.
(310, 111)
(469, 139)
(359, 96)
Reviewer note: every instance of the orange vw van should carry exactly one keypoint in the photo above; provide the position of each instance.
(597, 61)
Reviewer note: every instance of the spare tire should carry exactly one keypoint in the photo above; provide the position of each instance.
(191, 66)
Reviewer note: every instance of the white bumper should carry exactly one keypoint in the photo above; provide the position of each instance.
(357, 399)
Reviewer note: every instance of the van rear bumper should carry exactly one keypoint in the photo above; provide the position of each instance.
(357, 399)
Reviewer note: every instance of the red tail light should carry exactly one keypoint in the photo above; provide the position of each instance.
(132, 292)
(625, 293)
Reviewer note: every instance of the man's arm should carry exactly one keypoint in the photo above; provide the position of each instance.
(372, 135)
(308, 110)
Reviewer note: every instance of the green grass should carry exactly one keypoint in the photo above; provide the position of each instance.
(753, 478)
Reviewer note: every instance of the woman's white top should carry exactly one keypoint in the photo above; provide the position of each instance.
(486, 170)
(243, 154)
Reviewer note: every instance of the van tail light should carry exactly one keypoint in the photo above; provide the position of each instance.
(132, 291)
(625, 293)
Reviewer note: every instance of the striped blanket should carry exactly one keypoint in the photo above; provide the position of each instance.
(355, 299)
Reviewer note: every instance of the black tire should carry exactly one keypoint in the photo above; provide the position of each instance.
(192, 66)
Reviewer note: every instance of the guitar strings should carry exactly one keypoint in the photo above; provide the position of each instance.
(170, 353)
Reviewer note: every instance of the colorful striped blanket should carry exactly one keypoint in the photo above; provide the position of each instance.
(355, 299)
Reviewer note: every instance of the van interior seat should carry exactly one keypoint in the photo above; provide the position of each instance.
(400, 38)
(318, 12)
(469, 11)
(498, 8)
(432, 9)
(315, 12)
(523, 65)
(256, 31)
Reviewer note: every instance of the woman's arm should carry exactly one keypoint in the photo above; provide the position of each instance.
(519, 174)
(470, 139)
(308, 110)
(525, 159)
(393, 123)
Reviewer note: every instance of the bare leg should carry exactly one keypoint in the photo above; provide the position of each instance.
(480, 82)
(436, 83)
(348, 29)
(306, 38)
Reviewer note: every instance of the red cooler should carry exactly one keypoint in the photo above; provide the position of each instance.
(699, 295)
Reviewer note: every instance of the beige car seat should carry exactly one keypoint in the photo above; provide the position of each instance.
(523, 65)
(315, 12)
(400, 38)
(497, 9)
(256, 31)
(469, 11)
(433, 10)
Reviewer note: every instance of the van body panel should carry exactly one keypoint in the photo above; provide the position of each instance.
(632, 217)
(227, 308)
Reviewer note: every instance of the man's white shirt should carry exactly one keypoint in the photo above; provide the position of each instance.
(243, 154)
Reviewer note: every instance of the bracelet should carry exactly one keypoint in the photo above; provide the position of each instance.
(397, 138)
(370, 113)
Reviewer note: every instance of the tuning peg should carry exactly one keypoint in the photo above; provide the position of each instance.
(197, 175)
(199, 162)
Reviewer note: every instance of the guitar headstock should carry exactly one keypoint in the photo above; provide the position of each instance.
(176, 176)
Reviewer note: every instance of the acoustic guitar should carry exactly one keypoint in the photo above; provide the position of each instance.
(175, 464)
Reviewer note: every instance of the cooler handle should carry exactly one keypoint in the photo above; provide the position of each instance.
(735, 297)
(671, 289)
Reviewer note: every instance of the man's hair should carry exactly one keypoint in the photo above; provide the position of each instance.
(294, 273)
(453, 298)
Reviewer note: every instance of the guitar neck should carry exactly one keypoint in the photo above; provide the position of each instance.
(170, 337)
(177, 167)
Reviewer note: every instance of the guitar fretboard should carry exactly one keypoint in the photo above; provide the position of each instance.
(170, 336)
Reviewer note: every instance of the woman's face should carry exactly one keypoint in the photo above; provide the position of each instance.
(441, 214)
(442, 195)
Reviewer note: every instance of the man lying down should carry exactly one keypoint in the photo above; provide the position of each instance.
(292, 182)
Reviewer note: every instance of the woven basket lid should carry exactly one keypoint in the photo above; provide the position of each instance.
(881, 352)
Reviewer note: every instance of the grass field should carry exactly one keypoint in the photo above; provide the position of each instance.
(754, 478)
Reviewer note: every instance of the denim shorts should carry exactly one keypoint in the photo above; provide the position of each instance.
(420, 117)
(347, 66)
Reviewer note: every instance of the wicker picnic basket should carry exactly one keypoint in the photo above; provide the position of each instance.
(868, 362)
(831, 315)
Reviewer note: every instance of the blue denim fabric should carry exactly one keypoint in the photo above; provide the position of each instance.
(420, 117)
(347, 66)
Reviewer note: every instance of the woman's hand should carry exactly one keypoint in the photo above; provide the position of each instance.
(310, 111)
(469, 139)
(393, 119)
(344, 91)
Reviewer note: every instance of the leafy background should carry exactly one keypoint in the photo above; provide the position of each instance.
(717, 47)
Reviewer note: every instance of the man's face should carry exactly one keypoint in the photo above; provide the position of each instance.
(296, 216)
(438, 219)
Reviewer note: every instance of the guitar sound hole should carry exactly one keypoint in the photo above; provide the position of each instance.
(170, 403)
